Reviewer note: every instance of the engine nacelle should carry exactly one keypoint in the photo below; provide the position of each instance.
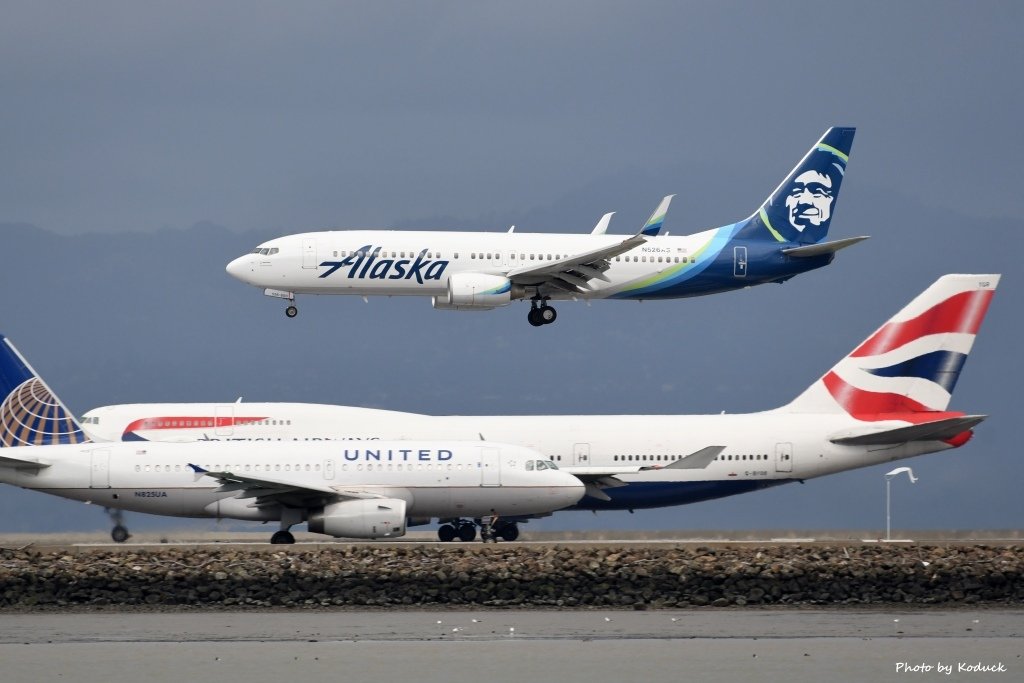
(361, 518)
(478, 291)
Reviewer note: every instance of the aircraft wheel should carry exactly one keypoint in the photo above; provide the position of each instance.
(291, 311)
(547, 315)
(119, 534)
(534, 317)
(282, 538)
(509, 532)
(467, 533)
(446, 533)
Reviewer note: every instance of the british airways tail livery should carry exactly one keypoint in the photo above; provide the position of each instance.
(886, 400)
(477, 271)
(370, 490)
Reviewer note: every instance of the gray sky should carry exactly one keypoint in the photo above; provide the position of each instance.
(122, 119)
(135, 116)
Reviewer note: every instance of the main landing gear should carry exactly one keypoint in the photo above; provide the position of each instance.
(282, 537)
(119, 534)
(490, 530)
(291, 311)
(540, 313)
(289, 518)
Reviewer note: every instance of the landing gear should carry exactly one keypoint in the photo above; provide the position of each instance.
(540, 313)
(119, 534)
(463, 530)
(508, 531)
(283, 537)
(289, 518)
(467, 532)
(291, 311)
(490, 530)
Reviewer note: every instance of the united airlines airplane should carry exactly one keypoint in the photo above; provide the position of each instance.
(886, 400)
(479, 271)
(343, 489)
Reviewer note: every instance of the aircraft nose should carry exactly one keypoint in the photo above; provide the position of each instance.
(572, 490)
(240, 268)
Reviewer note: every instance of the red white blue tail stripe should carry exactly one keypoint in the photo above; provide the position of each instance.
(908, 368)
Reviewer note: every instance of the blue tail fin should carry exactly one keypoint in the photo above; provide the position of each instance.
(800, 209)
(30, 414)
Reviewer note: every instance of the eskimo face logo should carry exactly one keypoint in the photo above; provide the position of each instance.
(809, 201)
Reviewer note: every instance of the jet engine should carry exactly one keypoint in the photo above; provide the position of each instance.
(478, 291)
(361, 518)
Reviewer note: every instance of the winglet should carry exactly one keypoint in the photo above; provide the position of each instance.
(653, 225)
(197, 469)
(602, 225)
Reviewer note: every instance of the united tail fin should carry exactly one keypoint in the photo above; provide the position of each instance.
(30, 413)
(908, 368)
(800, 209)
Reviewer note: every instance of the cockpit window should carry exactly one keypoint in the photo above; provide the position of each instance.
(540, 465)
(266, 251)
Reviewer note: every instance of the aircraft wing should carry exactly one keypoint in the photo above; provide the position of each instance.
(574, 272)
(596, 479)
(929, 431)
(269, 490)
(22, 463)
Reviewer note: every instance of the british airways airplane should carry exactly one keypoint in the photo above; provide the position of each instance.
(887, 400)
(351, 490)
(479, 271)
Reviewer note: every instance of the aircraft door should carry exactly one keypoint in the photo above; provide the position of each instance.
(581, 454)
(99, 475)
(223, 420)
(783, 457)
(739, 261)
(328, 469)
(490, 466)
(309, 252)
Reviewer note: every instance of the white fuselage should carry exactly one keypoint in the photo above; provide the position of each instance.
(420, 263)
(435, 479)
(761, 449)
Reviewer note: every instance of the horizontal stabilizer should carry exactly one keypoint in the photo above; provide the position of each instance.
(22, 463)
(809, 250)
(929, 431)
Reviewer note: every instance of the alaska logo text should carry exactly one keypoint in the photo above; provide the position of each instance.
(365, 263)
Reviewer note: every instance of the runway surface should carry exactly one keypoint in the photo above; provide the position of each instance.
(498, 646)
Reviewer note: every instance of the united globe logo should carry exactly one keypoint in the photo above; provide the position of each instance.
(32, 416)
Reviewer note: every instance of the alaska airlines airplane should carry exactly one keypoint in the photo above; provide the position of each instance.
(887, 400)
(352, 490)
(479, 271)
